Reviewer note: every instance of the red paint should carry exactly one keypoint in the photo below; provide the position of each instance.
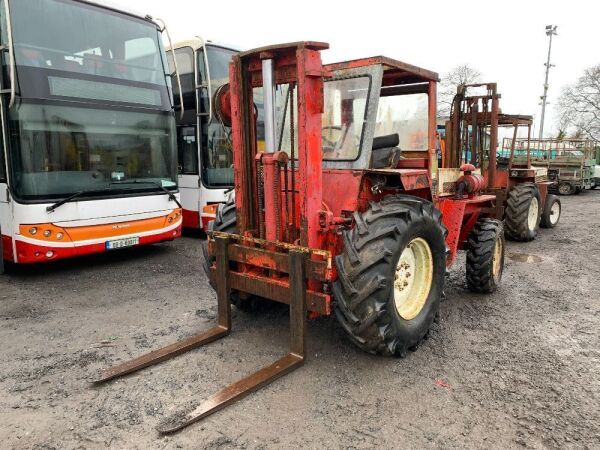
(191, 219)
(26, 252)
(325, 199)
(7, 248)
(205, 221)
(272, 198)
(442, 384)
(459, 217)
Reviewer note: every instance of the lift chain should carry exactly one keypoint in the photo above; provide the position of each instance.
(261, 198)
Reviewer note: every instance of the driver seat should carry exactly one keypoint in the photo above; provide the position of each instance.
(386, 153)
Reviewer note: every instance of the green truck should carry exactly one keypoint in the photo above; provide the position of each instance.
(572, 163)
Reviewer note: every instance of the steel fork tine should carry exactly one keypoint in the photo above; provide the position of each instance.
(192, 342)
(257, 380)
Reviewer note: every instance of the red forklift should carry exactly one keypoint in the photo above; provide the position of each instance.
(339, 215)
(472, 135)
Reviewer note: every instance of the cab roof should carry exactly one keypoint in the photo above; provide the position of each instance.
(395, 72)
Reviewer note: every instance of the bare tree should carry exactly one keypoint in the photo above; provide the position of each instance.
(462, 74)
(578, 106)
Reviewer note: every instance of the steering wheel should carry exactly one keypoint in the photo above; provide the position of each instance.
(330, 146)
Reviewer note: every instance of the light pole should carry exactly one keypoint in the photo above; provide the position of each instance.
(550, 31)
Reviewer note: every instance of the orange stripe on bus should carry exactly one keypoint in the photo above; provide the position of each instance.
(91, 232)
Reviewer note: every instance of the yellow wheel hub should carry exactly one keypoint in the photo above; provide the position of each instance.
(413, 278)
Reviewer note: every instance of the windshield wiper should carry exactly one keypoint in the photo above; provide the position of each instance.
(155, 183)
(59, 203)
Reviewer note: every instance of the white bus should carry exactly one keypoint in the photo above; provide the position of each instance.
(88, 158)
(205, 154)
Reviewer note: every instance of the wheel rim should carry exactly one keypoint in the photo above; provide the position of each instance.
(532, 216)
(554, 213)
(564, 189)
(413, 278)
(497, 261)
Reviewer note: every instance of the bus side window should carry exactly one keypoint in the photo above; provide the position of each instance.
(188, 150)
(185, 64)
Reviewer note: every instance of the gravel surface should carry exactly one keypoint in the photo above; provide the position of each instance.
(519, 368)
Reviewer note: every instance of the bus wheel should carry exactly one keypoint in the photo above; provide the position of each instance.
(5, 266)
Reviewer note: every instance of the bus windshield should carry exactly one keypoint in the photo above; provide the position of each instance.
(63, 149)
(94, 106)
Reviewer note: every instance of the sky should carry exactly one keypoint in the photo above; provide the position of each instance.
(505, 41)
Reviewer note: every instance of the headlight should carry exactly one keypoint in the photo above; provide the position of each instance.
(33, 230)
(210, 209)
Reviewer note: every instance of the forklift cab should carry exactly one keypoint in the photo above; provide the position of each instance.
(393, 113)
(378, 113)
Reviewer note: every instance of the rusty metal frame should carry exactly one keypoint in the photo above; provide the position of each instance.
(240, 389)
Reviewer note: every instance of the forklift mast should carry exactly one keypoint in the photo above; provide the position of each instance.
(297, 65)
(469, 116)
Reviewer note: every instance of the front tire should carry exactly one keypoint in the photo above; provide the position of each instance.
(391, 275)
(523, 213)
(226, 222)
(552, 212)
(485, 256)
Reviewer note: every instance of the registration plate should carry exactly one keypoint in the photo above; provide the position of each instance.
(121, 243)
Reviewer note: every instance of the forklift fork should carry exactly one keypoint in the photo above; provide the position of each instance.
(253, 382)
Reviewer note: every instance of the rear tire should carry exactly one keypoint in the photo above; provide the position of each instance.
(485, 256)
(523, 213)
(565, 188)
(391, 275)
(225, 222)
(552, 211)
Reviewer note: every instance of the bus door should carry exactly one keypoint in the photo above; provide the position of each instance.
(6, 252)
(189, 175)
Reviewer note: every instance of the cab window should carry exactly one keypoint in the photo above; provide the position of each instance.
(408, 116)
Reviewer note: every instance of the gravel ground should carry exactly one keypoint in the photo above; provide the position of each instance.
(519, 368)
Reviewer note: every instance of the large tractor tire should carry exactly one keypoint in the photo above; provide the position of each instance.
(566, 188)
(485, 255)
(225, 222)
(391, 275)
(552, 211)
(523, 213)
